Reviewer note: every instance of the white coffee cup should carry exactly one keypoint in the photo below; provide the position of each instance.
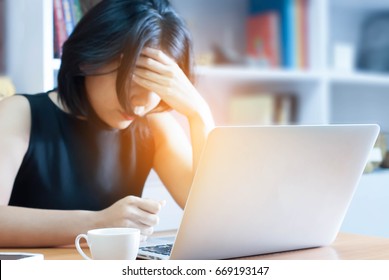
(110, 243)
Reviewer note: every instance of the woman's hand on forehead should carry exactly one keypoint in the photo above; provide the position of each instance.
(159, 73)
(156, 60)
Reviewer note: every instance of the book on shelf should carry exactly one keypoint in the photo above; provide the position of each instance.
(292, 33)
(67, 13)
(60, 34)
(285, 109)
(262, 32)
(264, 108)
(251, 109)
(76, 11)
(67, 8)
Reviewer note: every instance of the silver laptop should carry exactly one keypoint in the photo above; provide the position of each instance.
(268, 189)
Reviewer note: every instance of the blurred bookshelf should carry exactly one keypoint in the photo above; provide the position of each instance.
(332, 33)
(222, 23)
(330, 30)
(327, 88)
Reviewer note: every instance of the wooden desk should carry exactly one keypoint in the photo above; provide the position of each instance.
(346, 247)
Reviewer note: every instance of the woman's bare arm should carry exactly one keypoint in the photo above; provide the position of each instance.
(26, 227)
(175, 159)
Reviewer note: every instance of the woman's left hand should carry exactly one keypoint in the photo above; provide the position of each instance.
(160, 74)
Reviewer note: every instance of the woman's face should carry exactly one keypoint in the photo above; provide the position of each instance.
(101, 92)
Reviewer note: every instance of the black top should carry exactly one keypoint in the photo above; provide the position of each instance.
(75, 164)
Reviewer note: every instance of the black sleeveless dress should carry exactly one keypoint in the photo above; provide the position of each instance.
(75, 164)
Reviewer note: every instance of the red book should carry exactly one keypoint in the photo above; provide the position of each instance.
(60, 28)
(263, 34)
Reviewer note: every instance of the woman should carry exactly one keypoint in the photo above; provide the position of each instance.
(77, 158)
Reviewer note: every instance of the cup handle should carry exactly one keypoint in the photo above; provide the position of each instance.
(78, 247)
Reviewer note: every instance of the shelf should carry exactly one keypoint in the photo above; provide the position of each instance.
(247, 73)
(361, 4)
(360, 79)
(237, 72)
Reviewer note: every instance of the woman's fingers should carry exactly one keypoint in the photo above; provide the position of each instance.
(158, 73)
(151, 64)
(161, 90)
(154, 77)
(158, 62)
(148, 205)
(157, 55)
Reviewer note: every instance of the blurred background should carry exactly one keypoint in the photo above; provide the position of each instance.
(259, 62)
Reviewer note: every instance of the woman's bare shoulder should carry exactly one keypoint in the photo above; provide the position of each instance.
(14, 102)
(15, 116)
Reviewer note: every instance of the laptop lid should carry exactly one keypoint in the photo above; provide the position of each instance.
(267, 189)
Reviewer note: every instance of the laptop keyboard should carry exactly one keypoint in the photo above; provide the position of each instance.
(164, 249)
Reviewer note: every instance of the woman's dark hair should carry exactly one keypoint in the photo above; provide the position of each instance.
(119, 30)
